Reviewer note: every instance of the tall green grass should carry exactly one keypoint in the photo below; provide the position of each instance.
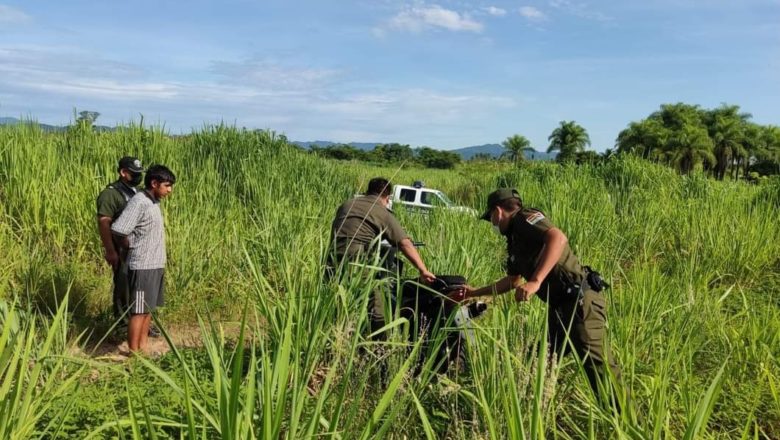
(35, 373)
(694, 318)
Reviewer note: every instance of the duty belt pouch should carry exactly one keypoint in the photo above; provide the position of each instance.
(594, 280)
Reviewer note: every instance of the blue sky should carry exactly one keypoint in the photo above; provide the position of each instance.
(445, 74)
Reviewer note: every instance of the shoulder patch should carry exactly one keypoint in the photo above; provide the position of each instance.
(534, 218)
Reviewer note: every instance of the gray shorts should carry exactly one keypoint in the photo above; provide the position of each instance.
(146, 290)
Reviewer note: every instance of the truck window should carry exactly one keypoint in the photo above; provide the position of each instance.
(431, 198)
(407, 195)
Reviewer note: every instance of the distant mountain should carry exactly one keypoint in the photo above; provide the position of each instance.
(496, 150)
(540, 155)
(47, 127)
(324, 144)
(44, 127)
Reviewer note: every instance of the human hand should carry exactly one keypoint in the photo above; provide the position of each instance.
(524, 292)
(112, 258)
(427, 276)
(461, 294)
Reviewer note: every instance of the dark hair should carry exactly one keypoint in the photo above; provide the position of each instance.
(160, 173)
(379, 186)
(510, 205)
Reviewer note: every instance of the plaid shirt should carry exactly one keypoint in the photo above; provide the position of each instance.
(142, 223)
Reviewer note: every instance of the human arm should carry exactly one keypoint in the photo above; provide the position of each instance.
(410, 252)
(501, 286)
(554, 244)
(110, 253)
(127, 222)
(396, 235)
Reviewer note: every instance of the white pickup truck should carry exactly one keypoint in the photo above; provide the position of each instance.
(419, 197)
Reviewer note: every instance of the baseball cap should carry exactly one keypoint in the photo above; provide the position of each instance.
(496, 197)
(131, 163)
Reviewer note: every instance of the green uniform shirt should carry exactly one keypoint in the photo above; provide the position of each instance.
(525, 241)
(359, 222)
(113, 199)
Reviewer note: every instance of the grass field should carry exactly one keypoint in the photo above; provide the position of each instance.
(694, 317)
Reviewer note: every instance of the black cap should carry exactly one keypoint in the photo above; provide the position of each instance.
(131, 163)
(498, 196)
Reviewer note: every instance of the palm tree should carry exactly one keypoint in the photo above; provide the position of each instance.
(645, 138)
(760, 143)
(727, 137)
(690, 146)
(568, 139)
(677, 116)
(771, 144)
(516, 145)
(754, 145)
(726, 127)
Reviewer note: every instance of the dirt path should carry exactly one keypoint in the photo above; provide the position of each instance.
(114, 347)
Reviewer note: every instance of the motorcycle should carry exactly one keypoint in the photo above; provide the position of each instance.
(442, 325)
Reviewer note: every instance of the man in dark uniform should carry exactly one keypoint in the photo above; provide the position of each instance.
(110, 203)
(539, 252)
(356, 231)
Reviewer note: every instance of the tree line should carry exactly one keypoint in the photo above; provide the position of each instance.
(721, 141)
(392, 153)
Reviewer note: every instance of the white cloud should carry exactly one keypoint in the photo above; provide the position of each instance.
(9, 15)
(495, 11)
(73, 72)
(433, 106)
(418, 19)
(30, 61)
(532, 13)
(305, 102)
(388, 114)
(108, 89)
